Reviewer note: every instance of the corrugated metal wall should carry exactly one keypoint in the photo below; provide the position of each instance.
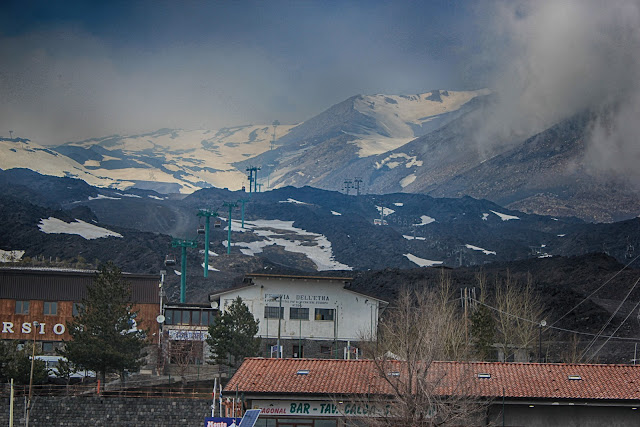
(60, 285)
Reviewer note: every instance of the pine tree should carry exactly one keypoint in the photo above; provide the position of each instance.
(103, 339)
(232, 335)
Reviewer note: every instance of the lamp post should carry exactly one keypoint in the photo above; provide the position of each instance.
(300, 336)
(33, 359)
(279, 298)
(542, 324)
(279, 324)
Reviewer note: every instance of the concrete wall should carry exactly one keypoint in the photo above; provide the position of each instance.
(578, 415)
(116, 411)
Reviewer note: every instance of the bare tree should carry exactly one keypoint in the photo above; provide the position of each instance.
(518, 315)
(420, 328)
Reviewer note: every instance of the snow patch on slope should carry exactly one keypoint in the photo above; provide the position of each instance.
(282, 233)
(421, 261)
(484, 251)
(53, 225)
(505, 217)
(398, 115)
(10, 256)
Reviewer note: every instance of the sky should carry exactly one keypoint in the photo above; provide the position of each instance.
(76, 69)
(72, 70)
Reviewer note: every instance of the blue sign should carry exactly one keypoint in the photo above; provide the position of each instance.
(220, 422)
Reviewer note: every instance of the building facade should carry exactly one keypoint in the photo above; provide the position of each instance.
(36, 304)
(311, 316)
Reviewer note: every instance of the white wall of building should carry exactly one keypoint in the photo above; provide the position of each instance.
(355, 315)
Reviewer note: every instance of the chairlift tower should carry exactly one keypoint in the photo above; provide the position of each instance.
(243, 201)
(357, 181)
(184, 244)
(230, 205)
(253, 178)
(207, 214)
(273, 140)
(347, 185)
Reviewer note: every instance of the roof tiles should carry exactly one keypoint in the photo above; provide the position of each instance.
(511, 380)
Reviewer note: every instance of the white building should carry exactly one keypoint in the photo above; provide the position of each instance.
(311, 315)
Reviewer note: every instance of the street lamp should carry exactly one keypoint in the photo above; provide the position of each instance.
(542, 324)
(33, 359)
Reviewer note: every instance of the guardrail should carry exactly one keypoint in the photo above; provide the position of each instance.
(93, 390)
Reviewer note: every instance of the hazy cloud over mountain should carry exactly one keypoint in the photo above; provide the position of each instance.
(76, 69)
(559, 58)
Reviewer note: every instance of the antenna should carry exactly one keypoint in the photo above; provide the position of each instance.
(275, 125)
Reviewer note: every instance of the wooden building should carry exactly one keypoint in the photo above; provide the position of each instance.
(51, 298)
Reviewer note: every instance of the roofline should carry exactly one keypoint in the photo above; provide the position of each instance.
(212, 297)
(69, 272)
(299, 276)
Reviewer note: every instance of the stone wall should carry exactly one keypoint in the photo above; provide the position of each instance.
(108, 411)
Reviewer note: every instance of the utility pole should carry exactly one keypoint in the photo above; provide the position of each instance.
(206, 213)
(184, 244)
(230, 205)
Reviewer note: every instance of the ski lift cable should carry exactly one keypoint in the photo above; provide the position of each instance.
(596, 291)
(535, 322)
(588, 347)
(607, 340)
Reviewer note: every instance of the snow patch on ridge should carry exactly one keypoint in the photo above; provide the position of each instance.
(505, 217)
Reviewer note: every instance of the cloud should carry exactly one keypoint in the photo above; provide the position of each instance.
(554, 59)
(80, 72)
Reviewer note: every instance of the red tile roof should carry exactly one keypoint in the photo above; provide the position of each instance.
(515, 380)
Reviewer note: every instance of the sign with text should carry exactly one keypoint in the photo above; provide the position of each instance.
(187, 335)
(319, 408)
(220, 422)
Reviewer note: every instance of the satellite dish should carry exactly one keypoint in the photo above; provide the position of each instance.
(214, 304)
(160, 318)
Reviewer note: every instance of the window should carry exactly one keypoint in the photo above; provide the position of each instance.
(325, 350)
(324, 313)
(22, 307)
(168, 317)
(195, 318)
(299, 313)
(298, 351)
(272, 312)
(47, 347)
(50, 308)
(78, 308)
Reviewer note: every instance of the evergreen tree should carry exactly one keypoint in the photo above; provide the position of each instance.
(232, 335)
(103, 339)
(16, 363)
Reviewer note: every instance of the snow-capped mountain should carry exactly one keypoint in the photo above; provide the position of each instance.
(367, 144)
(174, 160)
